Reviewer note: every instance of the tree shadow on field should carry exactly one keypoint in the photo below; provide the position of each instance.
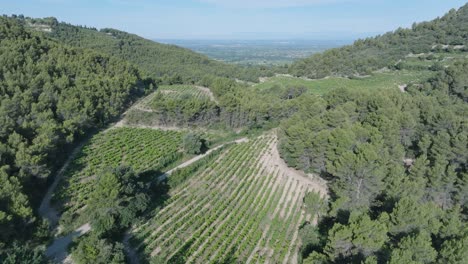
(158, 192)
(231, 257)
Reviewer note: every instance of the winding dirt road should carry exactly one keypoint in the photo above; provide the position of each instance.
(45, 209)
(199, 157)
(58, 250)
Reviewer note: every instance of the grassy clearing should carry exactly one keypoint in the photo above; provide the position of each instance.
(384, 80)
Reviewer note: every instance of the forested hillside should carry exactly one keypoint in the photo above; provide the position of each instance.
(50, 96)
(448, 33)
(171, 63)
(397, 170)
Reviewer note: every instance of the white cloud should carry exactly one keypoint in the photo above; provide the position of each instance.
(271, 3)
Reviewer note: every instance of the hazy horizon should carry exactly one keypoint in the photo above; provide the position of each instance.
(238, 19)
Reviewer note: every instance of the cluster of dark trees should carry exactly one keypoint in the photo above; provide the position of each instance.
(169, 63)
(178, 111)
(396, 164)
(50, 96)
(118, 197)
(371, 54)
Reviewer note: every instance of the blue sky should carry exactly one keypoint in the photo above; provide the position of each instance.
(238, 19)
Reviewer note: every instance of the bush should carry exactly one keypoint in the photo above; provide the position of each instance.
(192, 144)
(92, 249)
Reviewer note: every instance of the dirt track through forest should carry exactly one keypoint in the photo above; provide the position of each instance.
(45, 209)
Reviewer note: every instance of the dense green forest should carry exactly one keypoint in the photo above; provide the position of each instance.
(51, 96)
(170, 63)
(448, 33)
(396, 164)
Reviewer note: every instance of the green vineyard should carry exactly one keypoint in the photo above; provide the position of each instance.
(242, 208)
(141, 149)
(180, 92)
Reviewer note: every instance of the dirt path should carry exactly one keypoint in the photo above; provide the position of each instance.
(297, 183)
(189, 206)
(225, 185)
(402, 87)
(199, 157)
(122, 123)
(58, 250)
(293, 242)
(316, 183)
(45, 209)
(208, 92)
(132, 255)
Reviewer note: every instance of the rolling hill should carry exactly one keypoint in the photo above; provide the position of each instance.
(448, 33)
(171, 63)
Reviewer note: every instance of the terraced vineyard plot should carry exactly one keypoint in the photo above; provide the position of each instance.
(180, 92)
(244, 207)
(141, 149)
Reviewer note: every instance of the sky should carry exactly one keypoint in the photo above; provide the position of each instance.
(238, 19)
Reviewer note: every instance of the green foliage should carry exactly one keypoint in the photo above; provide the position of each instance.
(146, 151)
(118, 197)
(375, 81)
(170, 63)
(453, 80)
(50, 95)
(181, 175)
(178, 105)
(23, 254)
(192, 143)
(316, 258)
(222, 210)
(14, 204)
(409, 216)
(231, 105)
(359, 175)
(396, 163)
(454, 250)
(92, 249)
(361, 236)
(398, 157)
(414, 249)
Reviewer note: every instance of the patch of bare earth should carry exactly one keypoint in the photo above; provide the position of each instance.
(402, 87)
(296, 183)
(207, 92)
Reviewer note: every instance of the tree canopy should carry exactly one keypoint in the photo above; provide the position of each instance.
(50, 96)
